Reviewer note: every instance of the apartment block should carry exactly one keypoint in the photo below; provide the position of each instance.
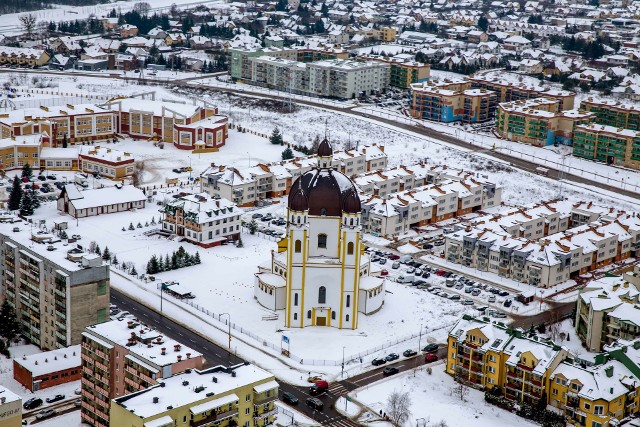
(550, 260)
(507, 90)
(615, 146)
(202, 220)
(539, 121)
(124, 357)
(451, 100)
(55, 290)
(403, 69)
(613, 113)
(487, 355)
(251, 185)
(242, 395)
(397, 213)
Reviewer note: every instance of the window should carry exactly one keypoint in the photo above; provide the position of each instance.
(596, 424)
(348, 300)
(322, 241)
(102, 315)
(295, 299)
(102, 288)
(247, 398)
(322, 295)
(350, 248)
(333, 315)
(323, 212)
(309, 314)
(598, 409)
(347, 318)
(247, 411)
(587, 406)
(295, 316)
(298, 247)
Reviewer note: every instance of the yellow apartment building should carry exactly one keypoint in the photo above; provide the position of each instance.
(242, 395)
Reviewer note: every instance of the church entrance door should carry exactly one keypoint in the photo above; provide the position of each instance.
(321, 321)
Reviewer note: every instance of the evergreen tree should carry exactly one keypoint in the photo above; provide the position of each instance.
(27, 172)
(253, 227)
(483, 23)
(197, 258)
(35, 199)
(15, 198)
(106, 255)
(98, 251)
(167, 263)
(115, 260)
(174, 261)
(9, 325)
(131, 227)
(276, 137)
(287, 154)
(64, 141)
(26, 206)
(133, 271)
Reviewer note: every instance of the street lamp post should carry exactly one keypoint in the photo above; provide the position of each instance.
(342, 373)
(229, 333)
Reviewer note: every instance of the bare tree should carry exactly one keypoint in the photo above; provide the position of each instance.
(399, 407)
(142, 8)
(137, 173)
(460, 391)
(28, 23)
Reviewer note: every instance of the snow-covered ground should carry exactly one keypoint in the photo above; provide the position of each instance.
(72, 419)
(6, 376)
(436, 389)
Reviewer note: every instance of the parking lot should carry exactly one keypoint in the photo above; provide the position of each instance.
(405, 270)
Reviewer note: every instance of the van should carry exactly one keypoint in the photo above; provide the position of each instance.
(405, 259)
(319, 387)
(406, 278)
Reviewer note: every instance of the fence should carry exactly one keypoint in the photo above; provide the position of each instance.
(301, 360)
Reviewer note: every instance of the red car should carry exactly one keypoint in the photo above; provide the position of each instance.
(431, 357)
(440, 272)
(384, 273)
(394, 256)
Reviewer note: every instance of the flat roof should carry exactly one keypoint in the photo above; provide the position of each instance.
(51, 361)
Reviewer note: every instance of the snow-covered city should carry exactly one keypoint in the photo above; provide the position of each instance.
(319, 213)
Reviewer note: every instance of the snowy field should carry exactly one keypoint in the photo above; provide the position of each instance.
(436, 389)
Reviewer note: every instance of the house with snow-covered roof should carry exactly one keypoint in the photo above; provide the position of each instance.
(83, 203)
(48, 369)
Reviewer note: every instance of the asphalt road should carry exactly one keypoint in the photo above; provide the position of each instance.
(216, 355)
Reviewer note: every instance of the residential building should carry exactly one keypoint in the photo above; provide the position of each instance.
(202, 220)
(55, 290)
(106, 162)
(241, 395)
(124, 357)
(617, 114)
(206, 135)
(450, 101)
(15, 152)
(241, 65)
(252, 185)
(538, 121)
(23, 56)
(106, 200)
(487, 355)
(10, 408)
(509, 90)
(48, 369)
(603, 143)
(403, 70)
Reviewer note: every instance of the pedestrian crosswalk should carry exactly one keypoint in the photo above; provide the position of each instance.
(340, 422)
(338, 389)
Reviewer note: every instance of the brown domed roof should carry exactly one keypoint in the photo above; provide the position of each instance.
(326, 192)
(351, 202)
(325, 149)
(297, 199)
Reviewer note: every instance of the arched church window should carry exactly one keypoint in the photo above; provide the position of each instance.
(308, 314)
(350, 248)
(323, 212)
(348, 300)
(322, 295)
(295, 299)
(298, 246)
(351, 221)
(295, 316)
(347, 317)
(333, 315)
(322, 240)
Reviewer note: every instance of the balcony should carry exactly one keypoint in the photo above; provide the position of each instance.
(86, 383)
(101, 390)
(257, 417)
(266, 399)
(214, 418)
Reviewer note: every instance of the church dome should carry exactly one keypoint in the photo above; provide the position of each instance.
(324, 192)
(325, 149)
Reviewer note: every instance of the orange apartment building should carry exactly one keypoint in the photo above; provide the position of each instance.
(114, 164)
(51, 368)
(123, 357)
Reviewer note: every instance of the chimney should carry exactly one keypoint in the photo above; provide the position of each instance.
(176, 347)
(179, 357)
(188, 355)
(156, 399)
(164, 351)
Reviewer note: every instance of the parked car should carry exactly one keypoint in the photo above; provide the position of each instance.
(411, 270)
(289, 398)
(314, 378)
(492, 298)
(382, 261)
(431, 357)
(32, 403)
(409, 353)
(319, 387)
(431, 348)
(508, 303)
(499, 315)
(395, 265)
(467, 302)
(256, 215)
(394, 256)
(419, 282)
(315, 403)
(52, 177)
(459, 286)
(77, 403)
(503, 293)
(55, 398)
(468, 290)
(392, 357)
(427, 246)
(455, 297)
(390, 370)
(378, 361)
(426, 274)
(440, 273)
(384, 273)
(45, 413)
(475, 292)
(42, 177)
(177, 170)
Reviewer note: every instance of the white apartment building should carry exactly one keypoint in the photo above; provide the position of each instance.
(202, 220)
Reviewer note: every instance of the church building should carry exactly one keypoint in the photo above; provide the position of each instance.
(320, 274)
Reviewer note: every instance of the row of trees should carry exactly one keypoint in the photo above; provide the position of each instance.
(9, 326)
(178, 259)
(25, 201)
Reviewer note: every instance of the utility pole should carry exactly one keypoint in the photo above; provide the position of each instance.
(342, 373)
(229, 333)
